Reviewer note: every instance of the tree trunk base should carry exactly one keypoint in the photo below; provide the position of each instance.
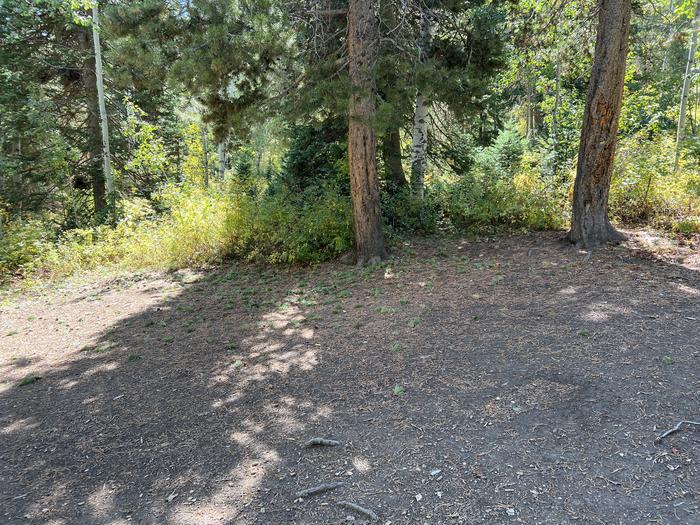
(605, 234)
(362, 261)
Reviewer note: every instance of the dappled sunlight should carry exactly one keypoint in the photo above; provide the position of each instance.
(20, 425)
(198, 408)
(603, 311)
(100, 503)
(685, 289)
(361, 464)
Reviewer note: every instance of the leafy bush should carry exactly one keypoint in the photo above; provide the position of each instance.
(22, 245)
(645, 188)
(502, 189)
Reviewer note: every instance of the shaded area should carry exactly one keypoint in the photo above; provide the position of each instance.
(467, 382)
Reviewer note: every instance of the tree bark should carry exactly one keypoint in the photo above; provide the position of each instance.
(104, 123)
(391, 152)
(555, 114)
(419, 146)
(205, 153)
(221, 155)
(370, 246)
(94, 142)
(590, 225)
(680, 132)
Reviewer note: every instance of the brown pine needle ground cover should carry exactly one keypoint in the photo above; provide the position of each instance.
(511, 381)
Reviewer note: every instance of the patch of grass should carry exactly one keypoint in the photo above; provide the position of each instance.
(667, 360)
(29, 379)
(386, 310)
(584, 333)
(398, 390)
(396, 346)
(414, 322)
(357, 325)
(168, 339)
(11, 333)
(133, 356)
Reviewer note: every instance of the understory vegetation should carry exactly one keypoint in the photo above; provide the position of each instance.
(228, 128)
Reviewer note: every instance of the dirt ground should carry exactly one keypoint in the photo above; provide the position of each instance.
(512, 380)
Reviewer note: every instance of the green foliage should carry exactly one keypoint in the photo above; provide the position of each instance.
(22, 245)
(317, 154)
(199, 227)
(645, 188)
(503, 188)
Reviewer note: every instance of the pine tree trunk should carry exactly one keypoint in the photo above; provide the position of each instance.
(680, 132)
(419, 146)
(94, 142)
(362, 141)
(391, 152)
(590, 225)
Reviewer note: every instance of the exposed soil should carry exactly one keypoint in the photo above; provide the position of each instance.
(511, 381)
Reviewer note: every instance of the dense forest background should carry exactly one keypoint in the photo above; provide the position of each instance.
(227, 123)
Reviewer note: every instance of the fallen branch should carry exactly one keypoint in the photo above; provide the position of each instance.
(323, 487)
(322, 442)
(353, 506)
(676, 429)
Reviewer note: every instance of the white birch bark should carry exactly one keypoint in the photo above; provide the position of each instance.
(419, 145)
(680, 132)
(106, 165)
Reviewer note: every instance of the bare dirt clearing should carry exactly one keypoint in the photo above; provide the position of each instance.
(514, 381)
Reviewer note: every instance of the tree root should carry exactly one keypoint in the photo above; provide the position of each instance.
(318, 489)
(676, 429)
(361, 510)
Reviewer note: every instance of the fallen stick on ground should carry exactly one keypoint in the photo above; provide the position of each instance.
(676, 429)
(323, 487)
(322, 442)
(349, 505)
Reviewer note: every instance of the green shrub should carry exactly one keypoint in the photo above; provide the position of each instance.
(22, 245)
(645, 188)
(687, 226)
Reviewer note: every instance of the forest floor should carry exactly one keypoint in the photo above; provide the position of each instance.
(514, 380)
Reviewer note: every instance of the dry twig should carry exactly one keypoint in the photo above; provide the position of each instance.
(676, 429)
(354, 506)
(323, 487)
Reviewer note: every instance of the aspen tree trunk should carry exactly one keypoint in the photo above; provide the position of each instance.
(93, 132)
(419, 142)
(680, 132)
(590, 225)
(104, 124)
(221, 154)
(363, 34)
(555, 114)
(205, 152)
(419, 146)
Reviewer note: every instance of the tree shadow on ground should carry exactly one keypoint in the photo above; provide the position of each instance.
(467, 383)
